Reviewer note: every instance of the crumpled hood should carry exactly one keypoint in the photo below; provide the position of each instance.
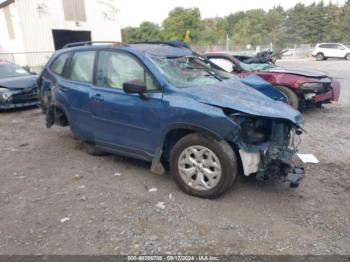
(19, 83)
(298, 71)
(263, 86)
(234, 95)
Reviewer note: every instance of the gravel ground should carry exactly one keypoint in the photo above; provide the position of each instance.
(56, 199)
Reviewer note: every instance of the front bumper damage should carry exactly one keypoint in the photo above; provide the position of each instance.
(19, 99)
(273, 159)
(330, 93)
(266, 167)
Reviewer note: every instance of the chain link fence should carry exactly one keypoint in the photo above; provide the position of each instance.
(291, 50)
(35, 61)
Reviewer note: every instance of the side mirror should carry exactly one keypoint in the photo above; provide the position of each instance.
(236, 68)
(135, 87)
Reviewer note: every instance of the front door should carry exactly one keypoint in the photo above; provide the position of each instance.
(125, 122)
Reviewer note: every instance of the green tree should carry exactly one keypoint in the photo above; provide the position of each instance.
(179, 21)
(213, 31)
(333, 27)
(274, 21)
(312, 23)
(345, 22)
(147, 31)
(231, 21)
(251, 29)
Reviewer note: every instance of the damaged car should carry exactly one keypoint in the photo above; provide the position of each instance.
(302, 87)
(162, 104)
(17, 87)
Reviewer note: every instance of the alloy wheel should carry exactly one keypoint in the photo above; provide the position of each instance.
(199, 167)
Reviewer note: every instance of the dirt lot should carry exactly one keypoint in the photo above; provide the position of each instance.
(56, 199)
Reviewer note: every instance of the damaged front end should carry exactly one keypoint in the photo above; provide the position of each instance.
(15, 98)
(267, 147)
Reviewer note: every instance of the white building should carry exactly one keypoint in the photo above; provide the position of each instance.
(30, 30)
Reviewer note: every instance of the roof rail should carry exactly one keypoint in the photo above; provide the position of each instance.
(84, 43)
(176, 43)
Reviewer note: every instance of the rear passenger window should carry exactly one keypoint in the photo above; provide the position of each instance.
(82, 66)
(58, 65)
(115, 68)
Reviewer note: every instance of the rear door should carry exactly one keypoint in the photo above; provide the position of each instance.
(331, 50)
(48, 78)
(74, 90)
(125, 122)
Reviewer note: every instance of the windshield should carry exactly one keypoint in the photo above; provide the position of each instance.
(187, 71)
(11, 70)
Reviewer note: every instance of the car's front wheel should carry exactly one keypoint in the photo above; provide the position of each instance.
(292, 97)
(203, 166)
(320, 57)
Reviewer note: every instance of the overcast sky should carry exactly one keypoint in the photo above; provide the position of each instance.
(134, 12)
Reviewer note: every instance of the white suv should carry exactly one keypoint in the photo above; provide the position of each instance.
(331, 50)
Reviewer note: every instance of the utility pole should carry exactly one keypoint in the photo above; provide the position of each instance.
(227, 39)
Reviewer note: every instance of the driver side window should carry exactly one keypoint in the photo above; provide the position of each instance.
(115, 68)
(339, 47)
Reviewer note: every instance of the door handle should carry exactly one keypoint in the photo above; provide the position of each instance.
(98, 97)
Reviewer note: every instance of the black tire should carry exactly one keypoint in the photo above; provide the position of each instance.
(292, 97)
(223, 152)
(320, 57)
(347, 57)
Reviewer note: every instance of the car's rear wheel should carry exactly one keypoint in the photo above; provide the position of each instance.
(292, 97)
(347, 57)
(320, 57)
(203, 166)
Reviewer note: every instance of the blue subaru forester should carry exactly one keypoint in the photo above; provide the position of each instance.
(160, 102)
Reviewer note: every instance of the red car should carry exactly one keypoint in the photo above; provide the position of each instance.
(300, 86)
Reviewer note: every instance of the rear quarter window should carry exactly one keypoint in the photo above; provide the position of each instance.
(58, 65)
(82, 66)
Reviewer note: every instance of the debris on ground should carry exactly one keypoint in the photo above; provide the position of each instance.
(153, 189)
(83, 198)
(78, 177)
(308, 158)
(160, 205)
(65, 219)
(117, 174)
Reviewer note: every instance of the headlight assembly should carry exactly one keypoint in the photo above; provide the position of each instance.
(314, 87)
(5, 94)
(254, 131)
